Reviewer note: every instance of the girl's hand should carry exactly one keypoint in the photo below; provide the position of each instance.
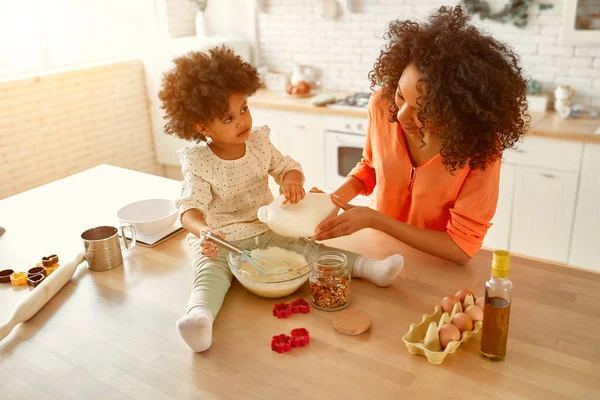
(292, 190)
(209, 248)
(353, 219)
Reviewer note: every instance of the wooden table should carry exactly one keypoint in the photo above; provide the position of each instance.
(111, 335)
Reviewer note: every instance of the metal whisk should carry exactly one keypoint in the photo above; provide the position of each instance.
(263, 264)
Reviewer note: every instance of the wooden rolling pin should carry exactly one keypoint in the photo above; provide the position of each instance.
(39, 296)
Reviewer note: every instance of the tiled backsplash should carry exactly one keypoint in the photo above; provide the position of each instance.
(346, 48)
(59, 124)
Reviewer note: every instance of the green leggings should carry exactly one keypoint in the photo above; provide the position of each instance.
(212, 276)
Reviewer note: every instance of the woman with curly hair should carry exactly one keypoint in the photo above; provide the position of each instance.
(451, 99)
(226, 176)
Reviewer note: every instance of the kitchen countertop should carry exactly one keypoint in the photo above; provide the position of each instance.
(279, 101)
(112, 334)
(545, 124)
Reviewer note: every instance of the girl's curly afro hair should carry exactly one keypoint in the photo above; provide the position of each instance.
(198, 88)
(472, 91)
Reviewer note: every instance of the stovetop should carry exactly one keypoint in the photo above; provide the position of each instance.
(359, 101)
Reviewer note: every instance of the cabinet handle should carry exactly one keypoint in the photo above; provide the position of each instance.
(520, 151)
(301, 126)
(548, 175)
(359, 127)
(348, 126)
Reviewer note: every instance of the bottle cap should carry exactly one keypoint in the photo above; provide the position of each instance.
(263, 214)
(501, 264)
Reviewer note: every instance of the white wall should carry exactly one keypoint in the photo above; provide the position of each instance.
(291, 31)
(181, 15)
(224, 18)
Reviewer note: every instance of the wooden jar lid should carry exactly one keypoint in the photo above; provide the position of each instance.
(352, 322)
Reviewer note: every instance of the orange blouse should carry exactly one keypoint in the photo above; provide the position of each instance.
(428, 196)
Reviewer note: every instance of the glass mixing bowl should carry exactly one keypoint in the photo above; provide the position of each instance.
(274, 285)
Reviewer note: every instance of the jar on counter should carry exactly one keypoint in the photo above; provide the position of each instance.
(330, 281)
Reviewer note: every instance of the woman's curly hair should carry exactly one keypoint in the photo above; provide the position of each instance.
(472, 93)
(198, 88)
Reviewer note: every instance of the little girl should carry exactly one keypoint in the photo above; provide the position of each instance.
(226, 179)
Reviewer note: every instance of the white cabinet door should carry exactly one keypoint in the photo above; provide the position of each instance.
(301, 137)
(585, 246)
(543, 210)
(260, 117)
(498, 235)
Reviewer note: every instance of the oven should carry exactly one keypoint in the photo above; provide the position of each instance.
(344, 143)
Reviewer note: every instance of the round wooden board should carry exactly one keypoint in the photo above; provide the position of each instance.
(352, 322)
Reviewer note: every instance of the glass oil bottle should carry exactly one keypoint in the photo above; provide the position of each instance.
(496, 313)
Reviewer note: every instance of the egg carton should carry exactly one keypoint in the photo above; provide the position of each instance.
(423, 339)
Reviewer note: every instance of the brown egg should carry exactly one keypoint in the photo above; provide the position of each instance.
(475, 312)
(480, 302)
(448, 333)
(462, 295)
(463, 322)
(289, 89)
(449, 302)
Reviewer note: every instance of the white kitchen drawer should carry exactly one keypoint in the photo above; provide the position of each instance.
(543, 209)
(539, 152)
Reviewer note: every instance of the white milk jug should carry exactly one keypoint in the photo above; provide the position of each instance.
(297, 220)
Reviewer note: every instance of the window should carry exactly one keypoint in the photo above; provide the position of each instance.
(39, 35)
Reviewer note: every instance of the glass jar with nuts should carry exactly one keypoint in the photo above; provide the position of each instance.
(330, 281)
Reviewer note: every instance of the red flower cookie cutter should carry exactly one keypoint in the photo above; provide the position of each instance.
(282, 310)
(300, 306)
(281, 343)
(300, 337)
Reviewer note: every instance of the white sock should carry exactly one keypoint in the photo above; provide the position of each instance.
(380, 272)
(195, 328)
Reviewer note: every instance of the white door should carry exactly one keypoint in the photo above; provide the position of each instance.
(585, 246)
(300, 136)
(543, 208)
(498, 236)
(260, 117)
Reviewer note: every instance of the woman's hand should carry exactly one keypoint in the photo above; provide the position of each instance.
(209, 248)
(353, 219)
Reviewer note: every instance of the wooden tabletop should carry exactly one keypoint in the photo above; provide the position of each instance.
(544, 124)
(111, 335)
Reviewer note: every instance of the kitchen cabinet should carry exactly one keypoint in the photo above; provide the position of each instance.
(537, 198)
(498, 236)
(543, 209)
(298, 135)
(302, 139)
(260, 117)
(585, 245)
